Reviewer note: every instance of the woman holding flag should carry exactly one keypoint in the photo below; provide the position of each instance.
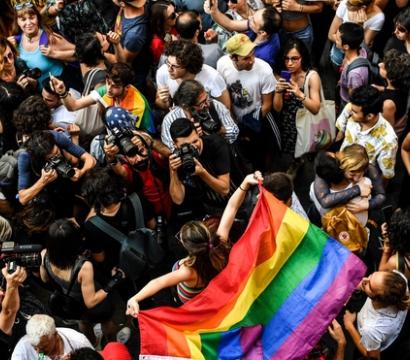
(207, 253)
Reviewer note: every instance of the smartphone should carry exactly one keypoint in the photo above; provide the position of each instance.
(285, 74)
(387, 212)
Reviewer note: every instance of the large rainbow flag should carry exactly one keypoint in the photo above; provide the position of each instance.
(286, 280)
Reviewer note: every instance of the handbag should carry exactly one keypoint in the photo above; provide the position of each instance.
(62, 304)
(89, 119)
(140, 249)
(315, 131)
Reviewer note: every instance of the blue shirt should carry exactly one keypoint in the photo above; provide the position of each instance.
(268, 50)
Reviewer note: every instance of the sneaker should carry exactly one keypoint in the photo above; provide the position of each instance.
(98, 336)
(124, 335)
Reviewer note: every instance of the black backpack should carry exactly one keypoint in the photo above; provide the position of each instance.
(140, 250)
(371, 61)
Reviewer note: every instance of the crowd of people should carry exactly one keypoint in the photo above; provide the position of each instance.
(134, 133)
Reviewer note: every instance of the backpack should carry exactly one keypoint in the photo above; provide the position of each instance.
(371, 61)
(139, 250)
(344, 227)
(8, 167)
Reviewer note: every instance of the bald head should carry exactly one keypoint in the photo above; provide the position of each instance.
(188, 25)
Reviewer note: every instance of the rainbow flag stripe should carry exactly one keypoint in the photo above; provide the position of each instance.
(285, 281)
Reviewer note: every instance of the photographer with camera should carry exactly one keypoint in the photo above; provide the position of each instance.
(134, 156)
(208, 115)
(15, 70)
(10, 304)
(44, 162)
(199, 169)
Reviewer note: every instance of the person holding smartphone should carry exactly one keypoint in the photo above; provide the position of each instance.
(289, 95)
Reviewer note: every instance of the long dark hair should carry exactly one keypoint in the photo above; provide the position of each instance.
(207, 254)
(294, 43)
(159, 17)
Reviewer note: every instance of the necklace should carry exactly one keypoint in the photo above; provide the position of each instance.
(31, 39)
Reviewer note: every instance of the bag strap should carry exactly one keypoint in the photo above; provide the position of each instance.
(107, 228)
(139, 215)
(89, 81)
(306, 85)
(77, 267)
(357, 63)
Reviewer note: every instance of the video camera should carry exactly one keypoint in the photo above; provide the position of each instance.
(15, 255)
(122, 138)
(187, 153)
(61, 165)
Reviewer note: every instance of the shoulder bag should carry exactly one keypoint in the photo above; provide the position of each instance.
(315, 131)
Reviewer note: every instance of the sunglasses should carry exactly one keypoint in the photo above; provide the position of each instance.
(173, 16)
(26, 5)
(233, 1)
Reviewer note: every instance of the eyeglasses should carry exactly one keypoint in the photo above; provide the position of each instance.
(173, 66)
(292, 59)
(22, 6)
(401, 29)
(204, 103)
(173, 16)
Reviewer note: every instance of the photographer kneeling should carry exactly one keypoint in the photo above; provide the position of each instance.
(199, 170)
(43, 166)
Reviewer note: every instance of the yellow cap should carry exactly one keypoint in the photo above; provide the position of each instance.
(239, 44)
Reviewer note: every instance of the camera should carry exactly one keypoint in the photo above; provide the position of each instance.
(187, 153)
(33, 73)
(61, 165)
(208, 124)
(122, 138)
(15, 255)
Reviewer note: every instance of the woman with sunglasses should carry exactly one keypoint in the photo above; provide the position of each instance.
(207, 250)
(162, 22)
(289, 95)
(37, 45)
(363, 12)
(401, 35)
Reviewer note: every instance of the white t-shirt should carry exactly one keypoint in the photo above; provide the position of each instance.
(374, 23)
(62, 117)
(246, 87)
(211, 80)
(379, 328)
(72, 340)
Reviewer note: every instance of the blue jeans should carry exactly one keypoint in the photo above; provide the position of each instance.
(305, 35)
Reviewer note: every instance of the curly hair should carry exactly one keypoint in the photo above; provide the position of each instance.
(399, 231)
(32, 114)
(368, 98)
(397, 68)
(188, 55)
(207, 254)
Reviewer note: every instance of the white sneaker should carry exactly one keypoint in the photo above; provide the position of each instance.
(124, 335)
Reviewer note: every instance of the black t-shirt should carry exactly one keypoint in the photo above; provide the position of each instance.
(124, 221)
(215, 159)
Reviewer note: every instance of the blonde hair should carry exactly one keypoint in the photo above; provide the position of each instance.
(353, 158)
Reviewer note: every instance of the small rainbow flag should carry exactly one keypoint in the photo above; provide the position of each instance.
(286, 280)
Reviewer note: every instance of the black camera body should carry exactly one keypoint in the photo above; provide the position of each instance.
(15, 255)
(187, 153)
(33, 73)
(61, 165)
(209, 125)
(122, 138)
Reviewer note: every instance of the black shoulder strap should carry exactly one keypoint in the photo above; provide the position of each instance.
(401, 263)
(78, 265)
(357, 63)
(214, 113)
(139, 215)
(110, 230)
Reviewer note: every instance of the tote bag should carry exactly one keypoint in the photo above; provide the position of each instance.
(315, 131)
(89, 119)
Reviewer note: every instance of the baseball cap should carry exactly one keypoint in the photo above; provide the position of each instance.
(239, 44)
(118, 117)
(136, 3)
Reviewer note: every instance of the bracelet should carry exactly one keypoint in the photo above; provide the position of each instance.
(240, 187)
(64, 95)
